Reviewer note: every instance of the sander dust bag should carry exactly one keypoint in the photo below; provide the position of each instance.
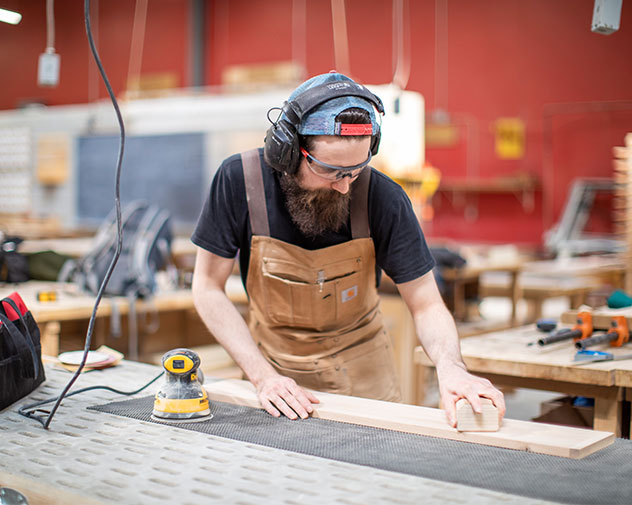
(21, 369)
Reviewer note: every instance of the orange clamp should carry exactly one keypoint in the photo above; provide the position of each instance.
(584, 324)
(619, 325)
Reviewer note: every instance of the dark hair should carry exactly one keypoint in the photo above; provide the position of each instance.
(353, 115)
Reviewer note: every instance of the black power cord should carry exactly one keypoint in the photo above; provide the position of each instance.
(31, 410)
(45, 421)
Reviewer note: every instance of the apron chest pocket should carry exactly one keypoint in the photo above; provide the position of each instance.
(321, 299)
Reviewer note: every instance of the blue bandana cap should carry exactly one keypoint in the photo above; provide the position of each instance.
(322, 120)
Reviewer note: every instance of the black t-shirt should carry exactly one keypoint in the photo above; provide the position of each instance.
(224, 226)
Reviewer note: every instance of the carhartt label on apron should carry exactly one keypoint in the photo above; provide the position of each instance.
(349, 294)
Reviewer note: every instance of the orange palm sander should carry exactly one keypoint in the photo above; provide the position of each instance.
(181, 396)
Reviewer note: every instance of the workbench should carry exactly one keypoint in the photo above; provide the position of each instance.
(166, 320)
(458, 278)
(608, 268)
(95, 458)
(505, 358)
(572, 278)
(63, 323)
(76, 247)
(535, 289)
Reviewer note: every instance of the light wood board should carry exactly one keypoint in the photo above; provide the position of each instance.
(554, 440)
(601, 316)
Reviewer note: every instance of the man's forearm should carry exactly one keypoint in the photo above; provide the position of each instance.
(438, 336)
(437, 333)
(228, 327)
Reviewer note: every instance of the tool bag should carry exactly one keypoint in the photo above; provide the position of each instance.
(21, 369)
(146, 248)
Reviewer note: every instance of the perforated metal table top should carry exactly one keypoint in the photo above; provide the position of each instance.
(100, 458)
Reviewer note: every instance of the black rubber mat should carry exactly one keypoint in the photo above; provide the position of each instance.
(604, 477)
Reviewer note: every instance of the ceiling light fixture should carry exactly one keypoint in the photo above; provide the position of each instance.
(10, 17)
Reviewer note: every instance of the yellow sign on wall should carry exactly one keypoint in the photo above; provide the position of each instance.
(510, 138)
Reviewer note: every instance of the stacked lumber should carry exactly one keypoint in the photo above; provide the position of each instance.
(623, 202)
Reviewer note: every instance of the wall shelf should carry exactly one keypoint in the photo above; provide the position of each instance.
(522, 186)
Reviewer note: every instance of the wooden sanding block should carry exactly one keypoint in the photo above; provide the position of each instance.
(468, 420)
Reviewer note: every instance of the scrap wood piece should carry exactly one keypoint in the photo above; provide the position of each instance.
(468, 420)
(553, 440)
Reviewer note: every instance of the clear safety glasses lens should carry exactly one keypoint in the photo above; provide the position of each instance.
(333, 172)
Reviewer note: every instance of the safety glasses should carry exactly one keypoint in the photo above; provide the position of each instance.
(334, 172)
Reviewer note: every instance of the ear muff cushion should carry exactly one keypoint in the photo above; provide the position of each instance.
(281, 147)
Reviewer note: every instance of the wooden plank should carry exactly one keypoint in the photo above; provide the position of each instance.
(620, 152)
(554, 440)
(601, 316)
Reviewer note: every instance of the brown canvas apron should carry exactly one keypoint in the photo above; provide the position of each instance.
(315, 313)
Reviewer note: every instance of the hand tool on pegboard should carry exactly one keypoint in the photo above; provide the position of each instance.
(583, 329)
(616, 336)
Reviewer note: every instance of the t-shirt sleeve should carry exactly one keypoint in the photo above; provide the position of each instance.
(220, 225)
(400, 246)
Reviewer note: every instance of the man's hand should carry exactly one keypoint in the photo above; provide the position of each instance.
(455, 382)
(281, 395)
(277, 394)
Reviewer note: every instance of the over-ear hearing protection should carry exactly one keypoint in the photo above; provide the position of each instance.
(281, 146)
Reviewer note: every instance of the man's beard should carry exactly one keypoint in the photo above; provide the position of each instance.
(315, 211)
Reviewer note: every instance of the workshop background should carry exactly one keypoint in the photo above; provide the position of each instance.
(509, 125)
(503, 121)
(532, 71)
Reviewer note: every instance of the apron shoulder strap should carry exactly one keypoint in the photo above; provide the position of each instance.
(360, 205)
(255, 194)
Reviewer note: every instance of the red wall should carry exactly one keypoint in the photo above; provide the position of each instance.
(165, 48)
(505, 58)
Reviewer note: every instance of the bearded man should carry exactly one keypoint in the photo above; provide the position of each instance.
(315, 226)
